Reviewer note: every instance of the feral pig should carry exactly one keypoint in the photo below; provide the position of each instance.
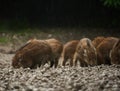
(97, 40)
(85, 53)
(103, 50)
(68, 51)
(33, 54)
(115, 53)
(57, 48)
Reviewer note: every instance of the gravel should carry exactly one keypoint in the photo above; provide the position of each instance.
(98, 78)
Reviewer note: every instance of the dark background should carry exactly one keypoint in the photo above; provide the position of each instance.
(58, 13)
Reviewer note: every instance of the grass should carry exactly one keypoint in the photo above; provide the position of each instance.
(4, 40)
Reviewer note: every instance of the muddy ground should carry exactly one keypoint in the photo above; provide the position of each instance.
(98, 78)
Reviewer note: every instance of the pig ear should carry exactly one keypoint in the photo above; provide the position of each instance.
(88, 43)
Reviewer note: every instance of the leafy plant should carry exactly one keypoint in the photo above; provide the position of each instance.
(111, 3)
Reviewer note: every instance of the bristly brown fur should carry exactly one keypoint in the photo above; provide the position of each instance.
(97, 40)
(103, 50)
(32, 54)
(85, 53)
(57, 48)
(68, 51)
(115, 53)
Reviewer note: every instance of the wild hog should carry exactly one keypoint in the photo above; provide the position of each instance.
(68, 51)
(85, 53)
(103, 50)
(57, 48)
(97, 40)
(32, 54)
(115, 53)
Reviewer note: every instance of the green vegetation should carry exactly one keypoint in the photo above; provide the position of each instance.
(3, 40)
(111, 3)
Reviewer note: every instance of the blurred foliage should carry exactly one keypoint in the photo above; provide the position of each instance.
(3, 40)
(111, 3)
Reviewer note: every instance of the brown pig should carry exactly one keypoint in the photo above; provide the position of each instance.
(57, 48)
(115, 53)
(32, 54)
(103, 50)
(85, 53)
(68, 51)
(97, 40)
